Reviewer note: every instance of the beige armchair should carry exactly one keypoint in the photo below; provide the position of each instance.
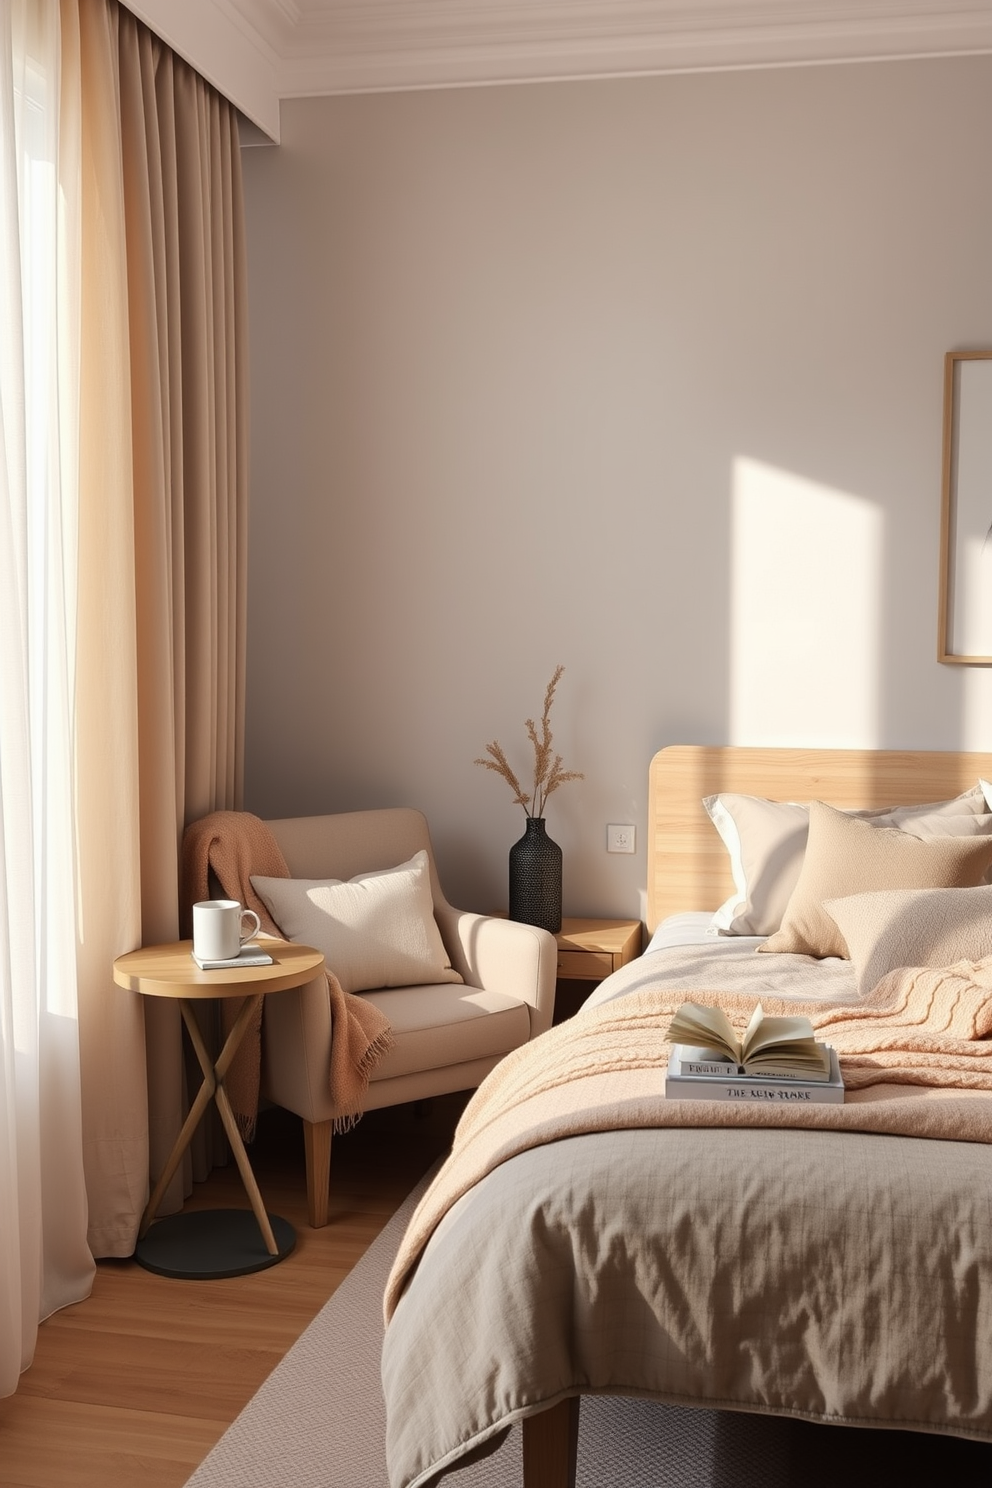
(447, 1036)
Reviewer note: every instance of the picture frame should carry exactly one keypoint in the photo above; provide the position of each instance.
(964, 634)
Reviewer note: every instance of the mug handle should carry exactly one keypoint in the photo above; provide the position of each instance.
(250, 914)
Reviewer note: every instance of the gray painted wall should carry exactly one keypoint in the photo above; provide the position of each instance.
(641, 376)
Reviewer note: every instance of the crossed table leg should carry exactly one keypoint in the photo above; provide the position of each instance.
(213, 1087)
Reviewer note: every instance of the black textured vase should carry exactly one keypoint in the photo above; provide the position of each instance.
(535, 878)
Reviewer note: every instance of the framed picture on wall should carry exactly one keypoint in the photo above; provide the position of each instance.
(965, 618)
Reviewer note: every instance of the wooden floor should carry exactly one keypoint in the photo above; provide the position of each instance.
(131, 1388)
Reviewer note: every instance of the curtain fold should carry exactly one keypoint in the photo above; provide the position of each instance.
(170, 175)
(187, 288)
(115, 1130)
(44, 1259)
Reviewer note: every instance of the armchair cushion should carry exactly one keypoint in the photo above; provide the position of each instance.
(377, 930)
(466, 1022)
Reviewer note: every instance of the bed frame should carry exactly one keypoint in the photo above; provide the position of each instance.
(688, 869)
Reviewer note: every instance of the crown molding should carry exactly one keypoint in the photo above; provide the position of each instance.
(330, 46)
(258, 51)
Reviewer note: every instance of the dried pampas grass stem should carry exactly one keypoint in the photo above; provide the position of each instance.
(548, 771)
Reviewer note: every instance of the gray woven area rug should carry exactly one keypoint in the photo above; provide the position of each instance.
(318, 1422)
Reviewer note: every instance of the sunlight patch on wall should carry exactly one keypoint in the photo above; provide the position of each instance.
(971, 623)
(976, 708)
(805, 611)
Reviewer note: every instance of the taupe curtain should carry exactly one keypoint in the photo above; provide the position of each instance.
(162, 573)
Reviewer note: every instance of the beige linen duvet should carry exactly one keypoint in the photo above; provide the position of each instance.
(582, 1238)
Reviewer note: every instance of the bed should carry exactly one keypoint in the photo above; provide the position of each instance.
(765, 1268)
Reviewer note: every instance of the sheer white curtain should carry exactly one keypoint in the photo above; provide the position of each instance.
(123, 503)
(44, 1259)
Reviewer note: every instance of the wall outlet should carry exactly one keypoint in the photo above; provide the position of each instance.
(620, 838)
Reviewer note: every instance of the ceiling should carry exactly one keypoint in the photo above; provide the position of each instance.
(333, 46)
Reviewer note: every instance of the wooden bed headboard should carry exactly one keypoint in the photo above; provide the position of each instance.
(688, 865)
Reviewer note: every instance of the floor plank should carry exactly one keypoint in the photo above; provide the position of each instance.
(89, 1447)
(131, 1388)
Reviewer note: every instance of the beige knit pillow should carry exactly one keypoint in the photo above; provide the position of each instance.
(913, 927)
(377, 930)
(845, 855)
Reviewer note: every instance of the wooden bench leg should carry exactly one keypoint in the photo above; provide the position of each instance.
(317, 1142)
(551, 1442)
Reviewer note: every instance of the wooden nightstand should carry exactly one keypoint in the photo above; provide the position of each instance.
(588, 950)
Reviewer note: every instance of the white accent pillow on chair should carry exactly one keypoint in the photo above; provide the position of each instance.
(377, 930)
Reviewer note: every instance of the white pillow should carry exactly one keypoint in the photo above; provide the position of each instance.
(766, 841)
(913, 927)
(377, 930)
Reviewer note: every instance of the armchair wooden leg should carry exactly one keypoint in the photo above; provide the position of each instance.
(317, 1142)
(551, 1442)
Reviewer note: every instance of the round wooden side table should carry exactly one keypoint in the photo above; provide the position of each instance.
(220, 1242)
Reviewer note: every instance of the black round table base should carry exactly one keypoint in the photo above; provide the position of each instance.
(204, 1244)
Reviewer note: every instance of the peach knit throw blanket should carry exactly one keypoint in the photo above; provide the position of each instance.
(235, 844)
(915, 1053)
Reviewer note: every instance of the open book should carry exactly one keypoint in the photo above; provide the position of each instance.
(770, 1046)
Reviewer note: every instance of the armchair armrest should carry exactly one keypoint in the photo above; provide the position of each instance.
(503, 956)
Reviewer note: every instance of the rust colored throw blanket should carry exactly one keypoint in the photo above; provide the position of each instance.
(235, 845)
(915, 1054)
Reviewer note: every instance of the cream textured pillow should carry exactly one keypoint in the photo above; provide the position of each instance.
(913, 927)
(845, 855)
(377, 930)
(766, 841)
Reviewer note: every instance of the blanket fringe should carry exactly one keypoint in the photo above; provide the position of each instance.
(379, 1046)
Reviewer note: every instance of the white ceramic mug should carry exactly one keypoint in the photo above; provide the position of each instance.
(218, 928)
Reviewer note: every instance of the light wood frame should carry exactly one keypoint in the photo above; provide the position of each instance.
(688, 865)
(948, 510)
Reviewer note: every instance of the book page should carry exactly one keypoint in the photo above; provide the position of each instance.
(762, 1031)
(786, 1045)
(707, 1027)
(795, 1060)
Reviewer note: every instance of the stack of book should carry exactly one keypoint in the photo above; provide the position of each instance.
(778, 1060)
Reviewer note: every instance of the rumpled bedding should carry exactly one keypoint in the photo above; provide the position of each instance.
(729, 962)
(588, 1235)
